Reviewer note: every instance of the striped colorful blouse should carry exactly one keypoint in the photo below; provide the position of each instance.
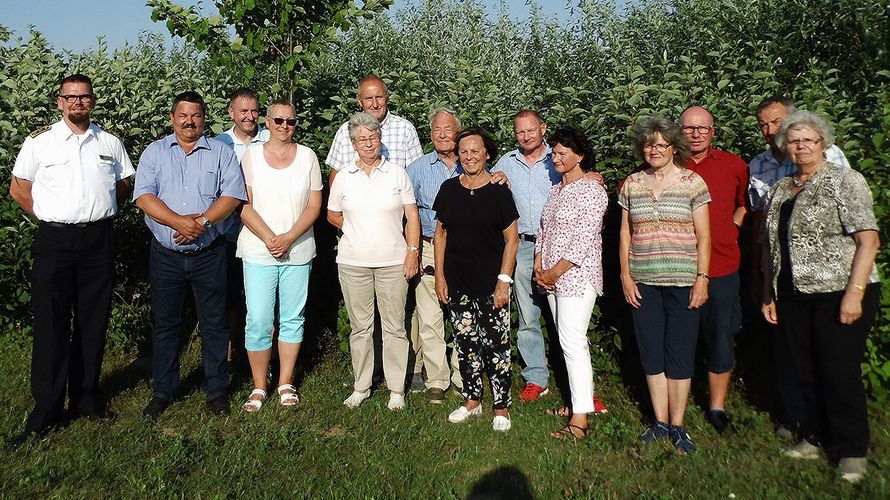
(663, 242)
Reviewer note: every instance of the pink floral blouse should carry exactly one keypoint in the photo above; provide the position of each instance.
(570, 229)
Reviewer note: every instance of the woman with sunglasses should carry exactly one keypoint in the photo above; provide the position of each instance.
(277, 246)
(665, 252)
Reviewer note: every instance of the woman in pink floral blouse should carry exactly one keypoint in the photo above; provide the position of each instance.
(568, 265)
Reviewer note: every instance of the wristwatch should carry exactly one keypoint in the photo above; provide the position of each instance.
(206, 222)
(505, 278)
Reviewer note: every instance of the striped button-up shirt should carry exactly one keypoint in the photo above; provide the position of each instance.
(188, 184)
(530, 185)
(427, 175)
(398, 138)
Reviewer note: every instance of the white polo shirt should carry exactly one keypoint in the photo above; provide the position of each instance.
(373, 207)
(73, 175)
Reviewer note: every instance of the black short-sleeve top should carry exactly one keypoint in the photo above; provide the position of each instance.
(474, 221)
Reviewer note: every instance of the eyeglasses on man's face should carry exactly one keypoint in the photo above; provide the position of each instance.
(701, 129)
(72, 98)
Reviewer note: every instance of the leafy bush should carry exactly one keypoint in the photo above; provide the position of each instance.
(601, 71)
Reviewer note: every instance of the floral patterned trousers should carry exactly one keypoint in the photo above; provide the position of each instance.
(482, 341)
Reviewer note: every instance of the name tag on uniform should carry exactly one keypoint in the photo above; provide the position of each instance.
(106, 158)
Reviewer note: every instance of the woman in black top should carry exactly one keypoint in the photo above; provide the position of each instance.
(475, 244)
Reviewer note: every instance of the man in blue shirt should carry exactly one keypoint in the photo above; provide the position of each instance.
(187, 185)
(531, 174)
(427, 174)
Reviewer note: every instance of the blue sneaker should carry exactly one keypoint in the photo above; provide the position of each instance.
(658, 430)
(682, 442)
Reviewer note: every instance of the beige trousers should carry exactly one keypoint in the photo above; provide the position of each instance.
(361, 285)
(428, 329)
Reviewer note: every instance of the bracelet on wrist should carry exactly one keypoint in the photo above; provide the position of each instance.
(857, 286)
(703, 275)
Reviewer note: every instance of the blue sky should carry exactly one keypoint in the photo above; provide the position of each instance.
(76, 25)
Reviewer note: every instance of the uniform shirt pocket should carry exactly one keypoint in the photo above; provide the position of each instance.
(53, 171)
(208, 185)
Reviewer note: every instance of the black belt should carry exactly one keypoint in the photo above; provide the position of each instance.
(427, 239)
(78, 224)
(189, 253)
(528, 237)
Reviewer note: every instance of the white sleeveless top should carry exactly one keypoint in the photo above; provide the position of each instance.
(279, 196)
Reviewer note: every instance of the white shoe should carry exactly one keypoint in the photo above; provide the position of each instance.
(803, 450)
(396, 401)
(501, 423)
(462, 413)
(852, 469)
(356, 398)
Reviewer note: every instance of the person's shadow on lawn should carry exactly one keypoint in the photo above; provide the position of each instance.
(502, 483)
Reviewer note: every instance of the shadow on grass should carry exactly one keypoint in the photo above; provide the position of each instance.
(506, 482)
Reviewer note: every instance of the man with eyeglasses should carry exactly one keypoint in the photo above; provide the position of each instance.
(399, 142)
(428, 334)
(71, 176)
(766, 169)
(726, 176)
(187, 185)
(244, 110)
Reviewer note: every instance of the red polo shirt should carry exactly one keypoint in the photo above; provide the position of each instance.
(727, 178)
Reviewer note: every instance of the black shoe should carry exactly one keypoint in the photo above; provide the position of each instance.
(436, 395)
(155, 407)
(719, 419)
(25, 437)
(219, 406)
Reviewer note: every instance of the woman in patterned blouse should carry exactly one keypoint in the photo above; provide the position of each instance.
(665, 251)
(568, 265)
(821, 287)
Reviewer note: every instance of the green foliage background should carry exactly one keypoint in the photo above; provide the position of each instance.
(600, 72)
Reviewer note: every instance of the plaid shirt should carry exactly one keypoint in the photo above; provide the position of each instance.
(765, 172)
(399, 144)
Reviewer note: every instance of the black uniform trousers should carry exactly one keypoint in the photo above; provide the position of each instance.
(71, 286)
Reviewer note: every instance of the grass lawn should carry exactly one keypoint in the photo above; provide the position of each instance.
(320, 449)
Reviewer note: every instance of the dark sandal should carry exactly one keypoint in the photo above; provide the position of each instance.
(568, 431)
(563, 411)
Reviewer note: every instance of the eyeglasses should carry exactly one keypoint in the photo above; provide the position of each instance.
(807, 143)
(370, 140)
(72, 98)
(661, 148)
(701, 129)
(290, 121)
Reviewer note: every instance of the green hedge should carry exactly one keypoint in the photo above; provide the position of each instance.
(601, 71)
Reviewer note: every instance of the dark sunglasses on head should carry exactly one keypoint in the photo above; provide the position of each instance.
(290, 121)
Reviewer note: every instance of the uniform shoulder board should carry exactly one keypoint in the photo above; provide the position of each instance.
(40, 131)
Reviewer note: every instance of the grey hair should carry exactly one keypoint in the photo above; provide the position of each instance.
(362, 119)
(805, 119)
(447, 111)
(645, 130)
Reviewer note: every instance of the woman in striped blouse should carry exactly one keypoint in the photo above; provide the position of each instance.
(665, 249)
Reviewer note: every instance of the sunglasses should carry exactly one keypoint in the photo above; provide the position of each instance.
(290, 121)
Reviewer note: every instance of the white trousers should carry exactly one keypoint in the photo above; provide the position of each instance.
(572, 316)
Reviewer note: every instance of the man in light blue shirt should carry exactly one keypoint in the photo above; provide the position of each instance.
(187, 185)
(531, 174)
(244, 110)
(428, 331)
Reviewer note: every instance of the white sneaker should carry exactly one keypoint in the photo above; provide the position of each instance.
(852, 469)
(356, 399)
(462, 413)
(803, 450)
(396, 401)
(501, 423)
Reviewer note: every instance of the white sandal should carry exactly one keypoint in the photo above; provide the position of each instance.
(253, 405)
(288, 398)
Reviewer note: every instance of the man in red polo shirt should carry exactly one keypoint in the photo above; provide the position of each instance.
(727, 178)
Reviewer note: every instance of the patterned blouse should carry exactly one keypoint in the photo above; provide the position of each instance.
(570, 229)
(663, 245)
(836, 203)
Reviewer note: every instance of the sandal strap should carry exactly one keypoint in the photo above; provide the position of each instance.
(286, 387)
(257, 392)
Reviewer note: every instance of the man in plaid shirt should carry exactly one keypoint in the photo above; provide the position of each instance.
(399, 142)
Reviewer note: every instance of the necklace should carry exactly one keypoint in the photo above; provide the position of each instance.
(470, 186)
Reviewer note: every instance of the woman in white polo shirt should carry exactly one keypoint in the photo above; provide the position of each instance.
(375, 257)
(277, 245)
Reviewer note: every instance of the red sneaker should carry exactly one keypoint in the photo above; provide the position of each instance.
(532, 392)
(598, 406)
